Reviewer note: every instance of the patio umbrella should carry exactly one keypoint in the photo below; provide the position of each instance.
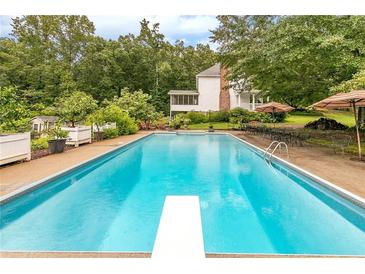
(273, 107)
(346, 100)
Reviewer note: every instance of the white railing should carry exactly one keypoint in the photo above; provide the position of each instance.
(277, 145)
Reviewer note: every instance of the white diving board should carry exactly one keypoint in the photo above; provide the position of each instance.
(179, 234)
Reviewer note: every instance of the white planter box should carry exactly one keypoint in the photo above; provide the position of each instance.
(78, 135)
(15, 147)
(106, 126)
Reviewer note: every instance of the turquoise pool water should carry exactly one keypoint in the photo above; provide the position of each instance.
(247, 206)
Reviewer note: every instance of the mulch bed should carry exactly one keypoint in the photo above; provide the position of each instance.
(36, 154)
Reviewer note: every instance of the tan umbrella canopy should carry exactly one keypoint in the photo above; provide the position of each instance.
(273, 107)
(346, 100)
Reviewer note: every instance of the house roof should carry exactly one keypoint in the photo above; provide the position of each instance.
(187, 92)
(50, 119)
(212, 71)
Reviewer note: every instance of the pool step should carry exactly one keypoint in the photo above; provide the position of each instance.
(179, 233)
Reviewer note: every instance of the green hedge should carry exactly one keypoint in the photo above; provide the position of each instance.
(40, 143)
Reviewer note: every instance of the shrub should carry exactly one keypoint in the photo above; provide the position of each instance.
(125, 124)
(137, 105)
(179, 121)
(40, 143)
(57, 132)
(278, 117)
(242, 116)
(110, 133)
(161, 123)
(196, 117)
(14, 114)
(218, 116)
(261, 117)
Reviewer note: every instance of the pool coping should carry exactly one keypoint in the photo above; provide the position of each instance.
(102, 254)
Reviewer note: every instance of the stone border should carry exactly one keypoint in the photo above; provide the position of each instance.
(70, 254)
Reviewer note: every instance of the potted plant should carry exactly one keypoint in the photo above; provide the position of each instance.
(210, 129)
(57, 141)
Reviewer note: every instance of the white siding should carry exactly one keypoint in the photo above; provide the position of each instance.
(209, 89)
(242, 101)
(185, 108)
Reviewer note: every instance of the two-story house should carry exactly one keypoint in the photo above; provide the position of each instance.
(213, 93)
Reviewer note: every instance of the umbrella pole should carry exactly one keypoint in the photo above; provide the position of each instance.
(357, 130)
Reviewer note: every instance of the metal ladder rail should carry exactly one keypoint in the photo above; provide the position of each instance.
(268, 148)
(279, 145)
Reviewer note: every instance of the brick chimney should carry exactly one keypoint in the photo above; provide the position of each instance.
(224, 100)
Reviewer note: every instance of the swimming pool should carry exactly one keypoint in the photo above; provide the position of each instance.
(114, 203)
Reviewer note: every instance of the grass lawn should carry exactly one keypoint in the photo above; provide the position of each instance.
(343, 117)
(205, 126)
(297, 119)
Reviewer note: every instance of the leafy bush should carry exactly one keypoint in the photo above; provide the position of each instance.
(14, 114)
(125, 124)
(110, 133)
(179, 121)
(97, 118)
(242, 116)
(40, 143)
(278, 117)
(75, 107)
(57, 132)
(218, 116)
(196, 117)
(161, 123)
(137, 105)
(262, 117)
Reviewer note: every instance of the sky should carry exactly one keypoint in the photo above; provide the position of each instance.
(191, 29)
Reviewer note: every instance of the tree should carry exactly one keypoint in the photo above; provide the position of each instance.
(75, 107)
(295, 59)
(357, 82)
(51, 56)
(14, 115)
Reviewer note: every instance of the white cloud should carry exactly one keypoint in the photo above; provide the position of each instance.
(187, 28)
(190, 29)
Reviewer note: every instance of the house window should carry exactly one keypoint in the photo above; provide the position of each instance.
(35, 127)
(185, 100)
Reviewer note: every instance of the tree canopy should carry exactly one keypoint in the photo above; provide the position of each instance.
(294, 59)
(51, 56)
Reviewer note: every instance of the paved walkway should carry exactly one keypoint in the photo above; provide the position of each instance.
(15, 176)
(335, 168)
